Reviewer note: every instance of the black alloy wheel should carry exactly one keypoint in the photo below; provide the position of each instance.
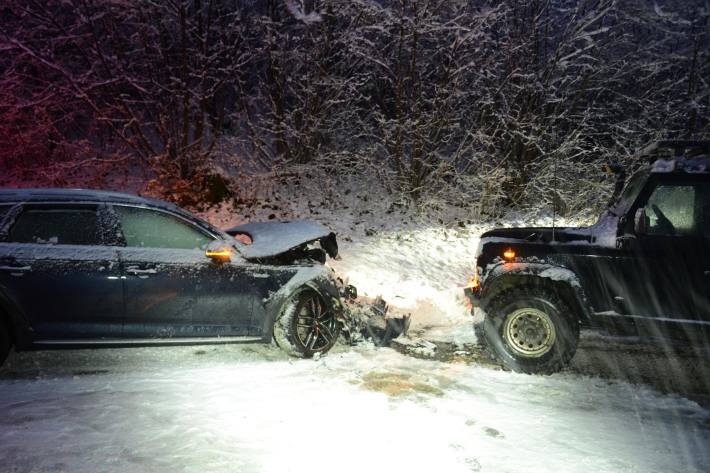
(307, 325)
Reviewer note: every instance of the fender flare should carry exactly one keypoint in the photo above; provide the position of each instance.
(314, 278)
(563, 280)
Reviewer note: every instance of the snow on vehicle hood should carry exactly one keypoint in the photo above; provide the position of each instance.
(539, 234)
(274, 238)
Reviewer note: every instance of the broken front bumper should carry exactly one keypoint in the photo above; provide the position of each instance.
(369, 319)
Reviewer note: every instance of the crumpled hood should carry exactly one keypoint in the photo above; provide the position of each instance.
(271, 239)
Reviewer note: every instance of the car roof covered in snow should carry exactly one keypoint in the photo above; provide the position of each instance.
(91, 195)
(79, 195)
(698, 165)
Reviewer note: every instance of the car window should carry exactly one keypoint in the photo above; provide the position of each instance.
(671, 210)
(153, 229)
(57, 226)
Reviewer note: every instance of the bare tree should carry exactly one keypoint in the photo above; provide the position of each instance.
(157, 78)
(478, 103)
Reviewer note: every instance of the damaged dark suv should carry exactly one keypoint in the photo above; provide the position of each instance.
(94, 268)
(643, 269)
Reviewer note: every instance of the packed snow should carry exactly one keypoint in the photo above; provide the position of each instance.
(249, 408)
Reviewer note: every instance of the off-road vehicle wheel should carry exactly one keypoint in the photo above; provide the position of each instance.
(530, 330)
(306, 325)
(5, 342)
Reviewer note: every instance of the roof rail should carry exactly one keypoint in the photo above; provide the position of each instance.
(680, 148)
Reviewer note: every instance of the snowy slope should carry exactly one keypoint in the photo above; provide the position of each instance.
(419, 271)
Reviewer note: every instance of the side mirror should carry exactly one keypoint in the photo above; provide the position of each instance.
(219, 252)
(627, 240)
(640, 222)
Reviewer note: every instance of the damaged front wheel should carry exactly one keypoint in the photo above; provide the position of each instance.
(306, 325)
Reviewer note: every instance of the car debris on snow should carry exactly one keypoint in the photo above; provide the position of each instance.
(368, 319)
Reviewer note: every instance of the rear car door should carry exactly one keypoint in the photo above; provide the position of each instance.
(171, 288)
(57, 270)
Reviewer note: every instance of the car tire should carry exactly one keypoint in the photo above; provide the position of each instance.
(306, 325)
(529, 330)
(5, 342)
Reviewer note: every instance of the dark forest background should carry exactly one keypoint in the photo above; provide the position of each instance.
(492, 104)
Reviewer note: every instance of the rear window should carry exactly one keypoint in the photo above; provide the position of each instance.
(57, 226)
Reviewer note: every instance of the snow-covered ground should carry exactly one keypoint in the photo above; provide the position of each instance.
(420, 271)
(251, 409)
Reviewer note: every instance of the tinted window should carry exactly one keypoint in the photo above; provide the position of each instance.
(671, 210)
(57, 226)
(153, 229)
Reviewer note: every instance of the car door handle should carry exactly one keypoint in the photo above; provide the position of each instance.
(141, 271)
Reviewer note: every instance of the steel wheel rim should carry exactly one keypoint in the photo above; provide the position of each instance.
(529, 332)
(315, 324)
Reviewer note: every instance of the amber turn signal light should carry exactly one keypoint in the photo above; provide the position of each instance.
(508, 254)
(222, 256)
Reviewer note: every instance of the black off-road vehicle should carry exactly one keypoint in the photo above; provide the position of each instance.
(643, 269)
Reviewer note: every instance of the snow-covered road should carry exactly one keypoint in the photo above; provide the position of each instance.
(248, 408)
